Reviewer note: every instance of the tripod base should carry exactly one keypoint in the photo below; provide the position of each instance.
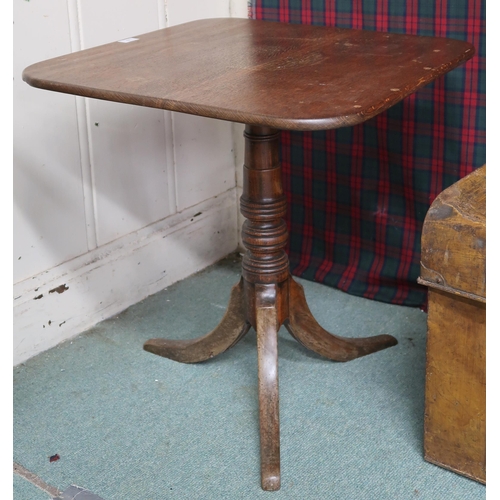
(261, 306)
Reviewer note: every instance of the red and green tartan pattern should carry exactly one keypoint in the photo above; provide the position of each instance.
(357, 196)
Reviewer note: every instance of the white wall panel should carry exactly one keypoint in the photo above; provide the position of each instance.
(129, 164)
(49, 218)
(203, 157)
(239, 161)
(128, 147)
(105, 21)
(183, 11)
(239, 8)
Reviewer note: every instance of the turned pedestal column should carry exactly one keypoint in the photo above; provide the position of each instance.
(266, 298)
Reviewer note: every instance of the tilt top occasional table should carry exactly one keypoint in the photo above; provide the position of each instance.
(270, 76)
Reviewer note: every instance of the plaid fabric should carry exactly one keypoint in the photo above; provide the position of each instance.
(358, 196)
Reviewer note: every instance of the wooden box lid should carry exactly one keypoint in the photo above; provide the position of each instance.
(454, 239)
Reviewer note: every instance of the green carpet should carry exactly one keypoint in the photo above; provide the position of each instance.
(24, 490)
(129, 425)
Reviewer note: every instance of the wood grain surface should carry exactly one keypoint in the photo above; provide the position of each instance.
(285, 76)
(454, 239)
(455, 393)
(231, 329)
(453, 266)
(267, 357)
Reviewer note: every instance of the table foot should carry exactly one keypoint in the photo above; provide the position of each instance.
(267, 326)
(306, 330)
(227, 333)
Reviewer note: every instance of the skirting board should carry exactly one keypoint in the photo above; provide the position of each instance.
(63, 302)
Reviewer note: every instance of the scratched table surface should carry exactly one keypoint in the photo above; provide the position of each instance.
(285, 76)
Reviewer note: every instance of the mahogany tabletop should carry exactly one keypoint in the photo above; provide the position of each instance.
(285, 76)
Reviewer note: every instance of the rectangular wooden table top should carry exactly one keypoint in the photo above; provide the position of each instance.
(279, 75)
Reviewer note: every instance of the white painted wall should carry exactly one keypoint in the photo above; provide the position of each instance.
(105, 194)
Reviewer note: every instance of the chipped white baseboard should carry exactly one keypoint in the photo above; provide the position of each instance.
(62, 302)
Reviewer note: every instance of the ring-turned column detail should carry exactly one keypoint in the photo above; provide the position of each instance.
(263, 203)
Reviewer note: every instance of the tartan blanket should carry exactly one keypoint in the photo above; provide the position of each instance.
(357, 196)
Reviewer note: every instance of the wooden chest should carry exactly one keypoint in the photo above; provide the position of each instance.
(453, 266)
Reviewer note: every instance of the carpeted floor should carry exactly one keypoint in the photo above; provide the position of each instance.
(128, 425)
